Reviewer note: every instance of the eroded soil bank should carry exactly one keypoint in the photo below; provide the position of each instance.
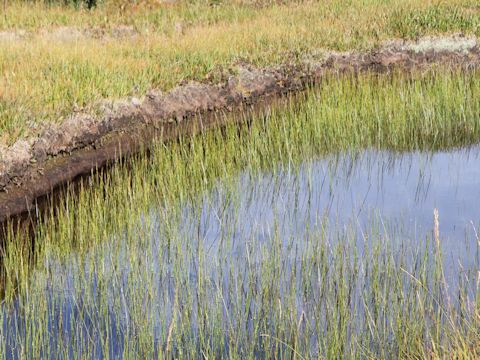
(33, 167)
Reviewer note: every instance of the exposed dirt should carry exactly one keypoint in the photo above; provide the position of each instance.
(32, 168)
(65, 34)
(12, 36)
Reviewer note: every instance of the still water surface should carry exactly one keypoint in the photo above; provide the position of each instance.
(372, 194)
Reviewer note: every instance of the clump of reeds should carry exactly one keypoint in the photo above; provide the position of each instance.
(61, 58)
(124, 267)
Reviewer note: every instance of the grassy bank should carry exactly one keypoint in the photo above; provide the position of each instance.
(70, 58)
(124, 266)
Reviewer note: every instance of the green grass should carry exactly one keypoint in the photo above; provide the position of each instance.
(43, 78)
(318, 295)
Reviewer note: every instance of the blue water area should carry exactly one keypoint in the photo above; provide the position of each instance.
(374, 192)
(362, 197)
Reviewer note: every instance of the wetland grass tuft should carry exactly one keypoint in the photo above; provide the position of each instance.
(69, 59)
(124, 267)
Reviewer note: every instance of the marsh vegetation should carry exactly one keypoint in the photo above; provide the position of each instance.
(339, 223)
(55, 60)
(265, 241)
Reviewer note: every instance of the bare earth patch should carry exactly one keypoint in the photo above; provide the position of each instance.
(32, 167)
(459, 44)
(69, 34)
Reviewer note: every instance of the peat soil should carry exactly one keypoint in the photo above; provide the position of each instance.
(35, 168)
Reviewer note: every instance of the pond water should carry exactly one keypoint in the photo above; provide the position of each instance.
(223, 242)
(371, 191)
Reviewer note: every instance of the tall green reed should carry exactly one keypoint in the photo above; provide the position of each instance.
(99, 283)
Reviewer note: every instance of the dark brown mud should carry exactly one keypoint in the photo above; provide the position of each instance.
(34, 168)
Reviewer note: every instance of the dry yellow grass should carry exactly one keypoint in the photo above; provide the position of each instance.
(55, 59)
